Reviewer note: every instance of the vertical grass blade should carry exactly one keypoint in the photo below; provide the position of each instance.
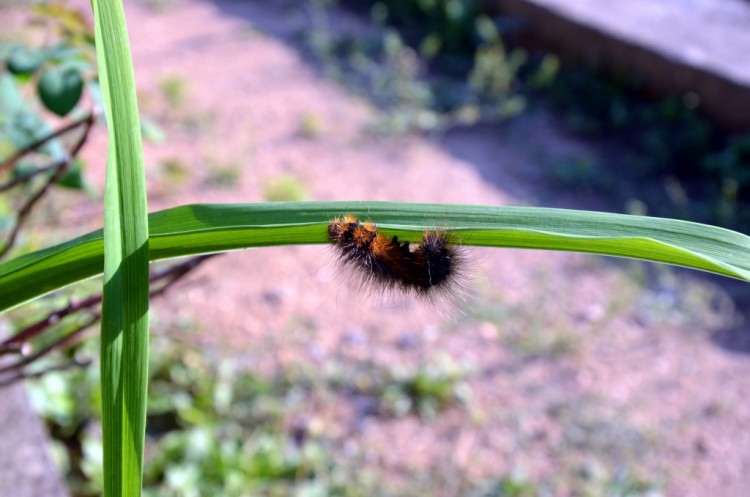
(124, 352)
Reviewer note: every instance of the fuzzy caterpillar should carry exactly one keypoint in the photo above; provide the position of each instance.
(428, 269)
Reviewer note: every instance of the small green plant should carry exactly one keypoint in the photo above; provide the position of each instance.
(385, 64)
(426, 390)
(175, 90)
(174, 170)
(575, 172)
(528, 329)
(160, 5)
(310, 125)
(664, 142)
(284, 188)
(223, 175)
(39, 82)
(602, 448)
(215, 428)
(513, 486)
(212, 428)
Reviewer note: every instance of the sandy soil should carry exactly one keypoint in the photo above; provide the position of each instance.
(613, 372)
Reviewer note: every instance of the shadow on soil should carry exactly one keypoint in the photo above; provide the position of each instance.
(735, 339)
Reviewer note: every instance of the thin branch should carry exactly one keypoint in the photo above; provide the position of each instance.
(54, 317)
(175, 273)
(11, 161)
(54, 178)
(21, 375)
(65, 340)
(12, 349)
(172, 274)
(26, 177)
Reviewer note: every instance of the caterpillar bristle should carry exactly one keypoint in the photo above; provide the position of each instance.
(383, 264)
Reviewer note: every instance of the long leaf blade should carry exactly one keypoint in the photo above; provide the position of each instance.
(205, 228)
(124, 344)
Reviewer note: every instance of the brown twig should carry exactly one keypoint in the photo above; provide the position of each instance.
(21, 375)
(172, 274)
(54, 317)
(62, 341)
(11, 161)
(25, 210)
(26, 177)
(12, 349)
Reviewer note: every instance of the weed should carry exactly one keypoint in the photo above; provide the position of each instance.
(160, 5)
(223, 175)
(671, 299)
(603, 449)
(175, 90)
(575, 171)
(512, 486)
(284, 188)
(310, 125)
(528, 328)
(427, 390)
(379, 62)
(174, 170)
(217, 428)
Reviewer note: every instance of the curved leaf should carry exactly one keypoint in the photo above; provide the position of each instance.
(60, 89)
(205, 228)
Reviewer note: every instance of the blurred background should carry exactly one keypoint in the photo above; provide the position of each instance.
(559, 375)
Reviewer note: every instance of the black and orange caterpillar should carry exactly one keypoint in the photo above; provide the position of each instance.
(426, 269)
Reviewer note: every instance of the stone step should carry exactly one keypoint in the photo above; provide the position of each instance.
(676, 46)
(26, 468)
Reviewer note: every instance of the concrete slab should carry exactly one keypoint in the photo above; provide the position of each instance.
(700, 46)
(26, 468)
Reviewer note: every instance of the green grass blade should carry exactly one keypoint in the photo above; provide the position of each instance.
(196, 229)
(124, 344)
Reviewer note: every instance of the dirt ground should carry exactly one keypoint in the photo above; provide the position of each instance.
(577, 362)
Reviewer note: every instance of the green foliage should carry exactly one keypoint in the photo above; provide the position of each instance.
(215, 428)
(24, 60)
(465, 73)
(53, 75)
(507, 487)
(453, 27)
(223, 175)
(74, 178)
(60, 89)
(493, 84)
(60, 68)
(212, 429)
(310, 125)
(219, 430)
(665, 141)
(284, 188)
(426, 390)
(175, 90)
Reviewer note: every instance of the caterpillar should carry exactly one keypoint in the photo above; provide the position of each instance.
(430, 268)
